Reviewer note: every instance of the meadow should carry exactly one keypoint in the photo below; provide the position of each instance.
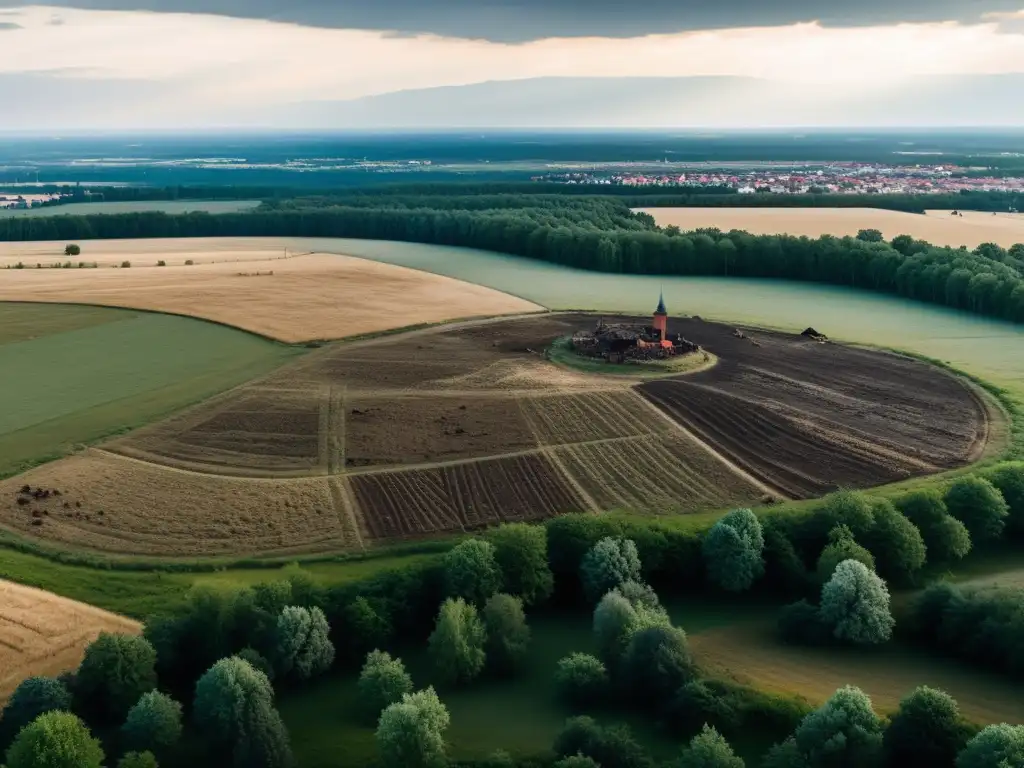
(938, 227)
(79, 374)
(163, 206)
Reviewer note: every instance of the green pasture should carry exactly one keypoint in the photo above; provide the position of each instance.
(136, 206)
(73, 375)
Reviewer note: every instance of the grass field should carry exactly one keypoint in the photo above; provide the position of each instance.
(45, 634)
(163, 206)
(78, 374)
(937, 227)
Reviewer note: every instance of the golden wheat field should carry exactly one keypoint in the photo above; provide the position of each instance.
(301, 298)
(44, 634)
(937, 227)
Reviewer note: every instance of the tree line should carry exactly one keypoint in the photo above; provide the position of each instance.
(598, 234)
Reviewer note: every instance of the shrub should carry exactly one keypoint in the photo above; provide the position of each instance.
(304, 648)
(411, 732)
(800, 623)
(115, 672)
(855, 604)
(1009, 481)
(708, 749)
(841, 547)
(457, 643)
(610, 747)
(508, 636)
(896, 543)
(608, 564)
(72, 250)
(784, 569)
(521, 551)
(615, 621)
(994, 747)
(843, 731)
(848, 508)
(640, 596)
(926, 730)
(234, 709)
(570, 537)
(367, 625)
(189, 262)
(153, 724)
(33, 697)
(734, 550)
(138, 760)
(977, 504)
(697, 703)
(657, 663)
(945, 538)
(55, 740)
(577, 761)
(125, 264)
(581, 679)
(383, 681)
(471, 571)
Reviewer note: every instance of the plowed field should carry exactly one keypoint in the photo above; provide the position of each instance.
(457, 428)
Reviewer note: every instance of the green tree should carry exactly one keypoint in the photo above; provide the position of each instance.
(33, 697)
(383, 681)
(55, 740)
(138, 760)
(708, 749)
(457, 642)
(115, 672)
(848, 508)
(926, 730)
(977, 504)
(153, 724)
(1008, 479)
(870, 235)
(997, 746)
(734, 550)
(657, 663)
(521, 551)
(304, 648)
(411, 732)
(615, 621)
(945, 537)
(610, 747)
(855, 603)
(368, 626)
(896, 542)
(609, 563)
(581, 678)
(72, 250)
(471, 571)
(508, 636)
(258, 661)
(844, 731)
(841, 547)
(234, 709)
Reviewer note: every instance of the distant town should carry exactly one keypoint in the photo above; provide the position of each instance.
(836, 178)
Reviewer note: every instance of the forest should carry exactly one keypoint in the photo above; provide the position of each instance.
(594, 233)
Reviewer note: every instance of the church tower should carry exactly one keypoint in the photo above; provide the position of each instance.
(660, 321)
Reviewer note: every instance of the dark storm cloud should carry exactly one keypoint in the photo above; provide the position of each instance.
(519, 20)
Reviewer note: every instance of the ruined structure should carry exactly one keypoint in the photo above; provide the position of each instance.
(628, 342)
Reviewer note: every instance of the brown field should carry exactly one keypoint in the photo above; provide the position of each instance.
(886, 674)
(937, 227)
(455, 428)
(45, 635)
(301, 298)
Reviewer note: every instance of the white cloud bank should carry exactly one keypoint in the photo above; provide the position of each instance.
(203, 62)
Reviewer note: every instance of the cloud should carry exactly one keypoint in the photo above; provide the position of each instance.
(523, 20)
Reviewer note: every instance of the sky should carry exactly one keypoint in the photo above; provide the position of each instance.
(252, 63)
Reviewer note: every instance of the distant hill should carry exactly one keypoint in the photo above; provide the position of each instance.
(684, 102)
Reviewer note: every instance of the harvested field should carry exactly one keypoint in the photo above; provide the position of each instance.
(456, 428)
(294, 299)
(42, 634)
(937, 227)
(119, 505)
(886, 674)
